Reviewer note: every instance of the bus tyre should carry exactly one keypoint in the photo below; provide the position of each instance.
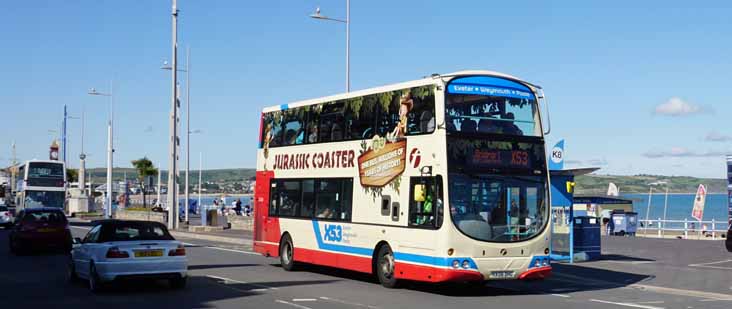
(287, 253)
(385, 267)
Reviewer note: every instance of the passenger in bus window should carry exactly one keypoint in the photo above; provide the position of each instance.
(510, 125)
(313, 136)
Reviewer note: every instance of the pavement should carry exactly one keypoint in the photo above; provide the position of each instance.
(634, 273)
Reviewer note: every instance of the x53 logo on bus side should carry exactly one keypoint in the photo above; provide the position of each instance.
(333, 232)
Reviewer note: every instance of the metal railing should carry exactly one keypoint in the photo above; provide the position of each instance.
(685, 228)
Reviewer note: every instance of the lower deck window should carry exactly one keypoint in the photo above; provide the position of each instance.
(328, 199)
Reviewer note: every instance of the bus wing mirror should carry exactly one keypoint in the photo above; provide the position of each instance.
(419, 193)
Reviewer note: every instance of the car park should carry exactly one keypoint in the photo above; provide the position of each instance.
(117, 250)
(40, 228)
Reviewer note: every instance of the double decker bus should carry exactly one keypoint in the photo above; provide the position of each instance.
(438, 179)
(40, 183)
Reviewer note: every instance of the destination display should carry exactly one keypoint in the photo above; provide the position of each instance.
(500, 158)
(464, 153)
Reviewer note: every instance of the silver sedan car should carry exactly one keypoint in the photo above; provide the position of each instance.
(115, 250)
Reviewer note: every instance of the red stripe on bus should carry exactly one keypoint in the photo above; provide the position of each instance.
(434, 274)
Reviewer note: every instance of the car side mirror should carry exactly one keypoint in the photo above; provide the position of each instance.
(76, 241)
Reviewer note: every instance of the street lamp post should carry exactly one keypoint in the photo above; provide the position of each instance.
(347, 21)
(187, 70)
(173, 155)
(110, 147)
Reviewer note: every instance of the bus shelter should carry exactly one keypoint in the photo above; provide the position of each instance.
(562, 215)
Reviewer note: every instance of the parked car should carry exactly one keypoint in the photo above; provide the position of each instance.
(116, 250)
(6, 219)
(40, 228)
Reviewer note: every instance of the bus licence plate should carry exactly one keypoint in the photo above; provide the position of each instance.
(503, 274)
(148, 253)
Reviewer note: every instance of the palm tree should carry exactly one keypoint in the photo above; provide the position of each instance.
(144, 169)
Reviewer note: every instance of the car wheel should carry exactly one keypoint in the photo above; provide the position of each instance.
(287, 254)
(385, 267)
(95, 285)
(178, 283)
(71, 276)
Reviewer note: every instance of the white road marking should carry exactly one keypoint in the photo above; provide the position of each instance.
(303, 299)
(335, 300)
(709, 265)
(624, 304)
(561, 295)
(650, 302)
(691, 293)
(228, 281)
(219, 248)
(291, 304)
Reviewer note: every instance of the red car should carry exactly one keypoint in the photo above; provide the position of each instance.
(40, 228)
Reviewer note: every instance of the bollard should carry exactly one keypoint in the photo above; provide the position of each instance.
(686, 229)
(660, 228)
(714, 230)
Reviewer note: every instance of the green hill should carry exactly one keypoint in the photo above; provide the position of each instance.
(231, 175)
(597, 184)
(586, 184)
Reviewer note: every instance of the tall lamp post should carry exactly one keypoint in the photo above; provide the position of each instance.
(110, 147)
(173, 155)
(347, 21)
(187, 70)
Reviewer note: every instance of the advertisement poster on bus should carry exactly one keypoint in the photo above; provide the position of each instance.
(701, 197)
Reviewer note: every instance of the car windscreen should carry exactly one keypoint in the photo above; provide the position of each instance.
(44, 217)
(135, 231)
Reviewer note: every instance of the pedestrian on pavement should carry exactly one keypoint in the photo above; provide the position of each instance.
(216, 205)
(237, 207)
(611, 227)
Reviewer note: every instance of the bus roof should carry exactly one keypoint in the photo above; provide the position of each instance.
(427, 80)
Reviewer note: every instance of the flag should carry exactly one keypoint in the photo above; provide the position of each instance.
(701, 197)
(556, 156)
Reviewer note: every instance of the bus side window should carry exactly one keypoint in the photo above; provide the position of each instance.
(425, 202)
(308, 199)
(273, 200)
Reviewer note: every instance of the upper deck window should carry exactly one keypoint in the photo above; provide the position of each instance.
(394, 114)
(484, 104)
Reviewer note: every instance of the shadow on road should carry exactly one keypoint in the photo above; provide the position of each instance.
(565, 278)
(620, 257)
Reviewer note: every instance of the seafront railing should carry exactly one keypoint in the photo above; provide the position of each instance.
(688, 229)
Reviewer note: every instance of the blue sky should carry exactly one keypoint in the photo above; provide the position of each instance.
(634, 87)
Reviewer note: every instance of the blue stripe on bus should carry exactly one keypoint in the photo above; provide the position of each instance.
(400, 256)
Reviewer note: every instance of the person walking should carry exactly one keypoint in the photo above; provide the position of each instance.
(237, 207)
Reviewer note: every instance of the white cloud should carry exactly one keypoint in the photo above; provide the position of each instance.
(677, 107)
(717, 137)
(681, 152)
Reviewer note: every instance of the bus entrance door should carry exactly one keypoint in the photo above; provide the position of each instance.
(266, 229)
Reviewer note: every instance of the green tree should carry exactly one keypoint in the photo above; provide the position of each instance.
(145, 168)
(72, 174)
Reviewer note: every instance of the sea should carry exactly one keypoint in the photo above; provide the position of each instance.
(679, 206)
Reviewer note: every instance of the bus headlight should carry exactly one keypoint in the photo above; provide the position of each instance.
(466, 264)
(538, 263)
(455, 264)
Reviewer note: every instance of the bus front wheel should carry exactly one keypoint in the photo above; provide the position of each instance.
(385, 267)
(287, 253)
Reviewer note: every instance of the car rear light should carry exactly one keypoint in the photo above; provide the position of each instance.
(180, 251)
(115, 253)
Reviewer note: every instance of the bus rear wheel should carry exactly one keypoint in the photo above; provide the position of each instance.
(287, 253)
(385, 267)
